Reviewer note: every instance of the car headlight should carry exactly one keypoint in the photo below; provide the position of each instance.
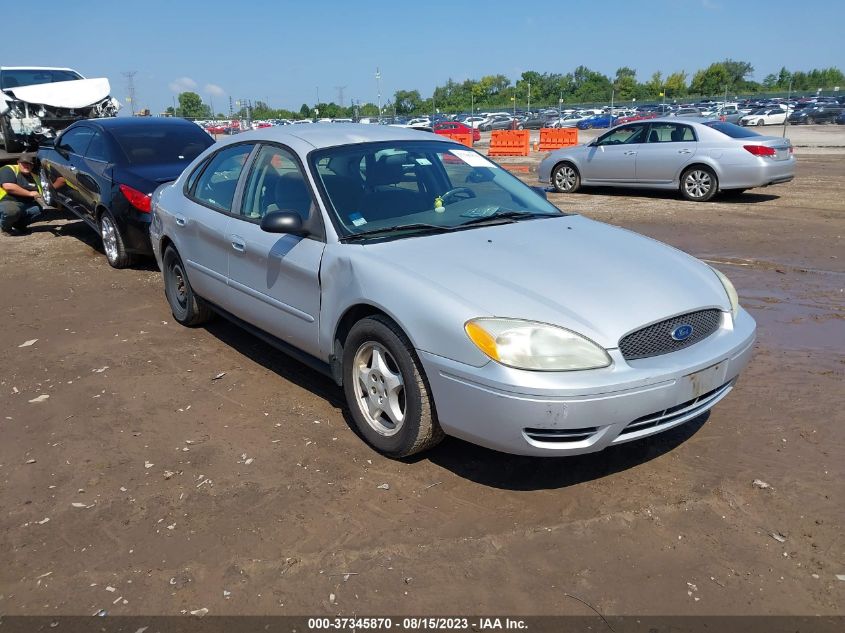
(534, 346)
(729, 288)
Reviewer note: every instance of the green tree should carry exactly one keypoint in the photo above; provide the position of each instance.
(625, 83)
(305, 111)
(710, 81)
(192, 107)
(676, 84)
(407, 101)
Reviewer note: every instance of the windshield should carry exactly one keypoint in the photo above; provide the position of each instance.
(145, 145)
(372, 186)
(729, 129)
(34, 76)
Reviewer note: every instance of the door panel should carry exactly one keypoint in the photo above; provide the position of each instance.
(276, 277)
(613, 156)
(670, 147)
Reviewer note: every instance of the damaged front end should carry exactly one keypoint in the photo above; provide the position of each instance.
(34, 114)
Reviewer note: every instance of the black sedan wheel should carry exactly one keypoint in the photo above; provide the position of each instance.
(565, 178)
(113, 242)
(386, 389)
(186, 307)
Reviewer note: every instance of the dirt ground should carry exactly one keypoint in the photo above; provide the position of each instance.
(145, 484)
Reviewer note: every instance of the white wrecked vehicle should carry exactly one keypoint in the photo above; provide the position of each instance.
(37, 103)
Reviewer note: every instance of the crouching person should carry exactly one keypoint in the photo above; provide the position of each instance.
(20, 195)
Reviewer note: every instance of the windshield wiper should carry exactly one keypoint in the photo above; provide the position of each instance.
(506, 217)
(417, 226)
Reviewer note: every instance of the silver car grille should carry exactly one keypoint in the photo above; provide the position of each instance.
(691, 408)
(656, 339)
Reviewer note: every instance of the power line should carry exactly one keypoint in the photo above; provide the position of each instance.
(130, 87)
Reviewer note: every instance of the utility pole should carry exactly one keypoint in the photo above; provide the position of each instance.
(378, 90)
(788, 97)
(231, 109)
(130, 87)
(529, 97)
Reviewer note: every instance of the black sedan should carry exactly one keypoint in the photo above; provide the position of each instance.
(535, 122)
(111, 168)
(821, 113)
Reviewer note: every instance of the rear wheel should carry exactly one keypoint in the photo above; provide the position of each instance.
(113, 242)
(386, 389)
(186, 307)
(565, 178)
(760, 122)
(47, 192)
(699, 184)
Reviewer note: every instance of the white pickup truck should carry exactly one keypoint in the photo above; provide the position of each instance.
(36, 103)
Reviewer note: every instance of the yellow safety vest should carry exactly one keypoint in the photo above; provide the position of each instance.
(17, 170)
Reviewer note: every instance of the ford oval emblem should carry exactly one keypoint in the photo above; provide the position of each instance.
(682, 332)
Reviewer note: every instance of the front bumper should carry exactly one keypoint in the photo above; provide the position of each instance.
(569, 413)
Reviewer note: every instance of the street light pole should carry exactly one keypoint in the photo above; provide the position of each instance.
(378, 90)
(529, 98)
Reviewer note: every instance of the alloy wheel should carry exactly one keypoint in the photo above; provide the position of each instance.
(698, 183)
(565, 178)
(379, 388)
(109, 234)
(46, 194)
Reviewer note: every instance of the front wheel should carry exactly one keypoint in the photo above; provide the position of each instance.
(47, 192)
(113, 242)
(187, 309)
(386, 389)
(699, 184)
(760, 122)
(566, 179)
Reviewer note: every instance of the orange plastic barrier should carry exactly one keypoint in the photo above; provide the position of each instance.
(509, 143)
(465, 139)
(555, 138)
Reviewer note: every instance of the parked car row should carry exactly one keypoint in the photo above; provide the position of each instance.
(332, 243)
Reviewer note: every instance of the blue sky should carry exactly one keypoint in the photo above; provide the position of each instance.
(282, 52)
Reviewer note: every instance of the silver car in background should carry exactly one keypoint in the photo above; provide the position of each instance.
(698, 157)
(443, 294)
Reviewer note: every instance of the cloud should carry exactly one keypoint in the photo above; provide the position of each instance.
(214, 90)
(183, 84)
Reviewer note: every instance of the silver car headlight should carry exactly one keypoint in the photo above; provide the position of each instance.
(729, 288)
(534, 346)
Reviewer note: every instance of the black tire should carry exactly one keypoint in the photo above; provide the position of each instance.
(811, 120)
(566, 178)
(48, 194)
(113, 244)
(699, 183)
(187, 308)
(760, 122)
(418, 429)
(9, 143)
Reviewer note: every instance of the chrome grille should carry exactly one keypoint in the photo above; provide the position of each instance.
(689, 409)
(656, 339)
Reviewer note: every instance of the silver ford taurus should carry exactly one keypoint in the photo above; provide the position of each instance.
(443, 294)
(699, 157)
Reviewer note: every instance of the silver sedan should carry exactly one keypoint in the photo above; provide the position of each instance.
(443, 295)
(698, 157)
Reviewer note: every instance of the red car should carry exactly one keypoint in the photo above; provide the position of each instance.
(636, 117)
(453, 127)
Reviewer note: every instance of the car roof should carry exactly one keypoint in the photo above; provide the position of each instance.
(320, 136)
(36, 68)
(113, 123)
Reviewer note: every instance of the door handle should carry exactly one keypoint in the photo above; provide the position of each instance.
(181, 220)
(630, 152)
(238, 243)
(685, 151)
(72, 168)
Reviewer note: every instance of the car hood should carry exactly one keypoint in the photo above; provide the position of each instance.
(600, 281)
(64, 94)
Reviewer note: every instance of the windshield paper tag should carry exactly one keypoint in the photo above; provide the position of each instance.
(357, 219)
(423, 161)
(471, 158)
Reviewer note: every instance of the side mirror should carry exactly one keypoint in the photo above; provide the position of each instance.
(48, 142)
(540, 191)
(283, 222)
(480, 174)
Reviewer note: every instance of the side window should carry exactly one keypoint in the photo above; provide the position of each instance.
(76, 140)
(670, 133)
(97, 148)
(216, 186)
(276, 183)
(624, 135)
(192, 179)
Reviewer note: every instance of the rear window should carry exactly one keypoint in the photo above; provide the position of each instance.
(729, 129)
(165, 144)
